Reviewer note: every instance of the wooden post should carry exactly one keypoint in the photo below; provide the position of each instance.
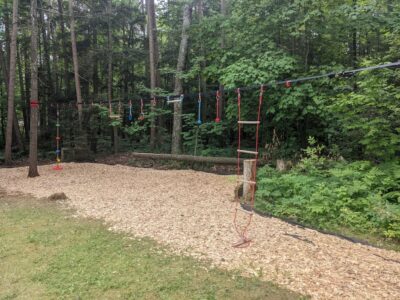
(248, 175)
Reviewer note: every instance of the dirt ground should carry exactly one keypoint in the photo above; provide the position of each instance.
(192, 213)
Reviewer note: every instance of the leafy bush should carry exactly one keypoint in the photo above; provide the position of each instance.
(370, 116)
(359, 196)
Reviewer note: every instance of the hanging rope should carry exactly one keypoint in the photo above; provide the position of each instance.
(141, 117)
(249, 210)
(218, 98)
(58, 167)
(130, 116)
(239, 131)
(199, 110)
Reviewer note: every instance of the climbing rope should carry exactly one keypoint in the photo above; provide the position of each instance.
(58, 166)
(199, 110)
(218, 98)
(248, 208)
(141, 117)
(130, 116)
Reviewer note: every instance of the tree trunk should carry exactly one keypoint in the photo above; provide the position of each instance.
(354, 41)
(64, 46)
(33, 170)
(203, 82)
(46, 54)
(153, 62)
(76, 63)
(177, 127)
(95, 76)
(109, 73)
(11, 85)
(221, 87)
(16, 134)
(23, 94)
(2, 115)
(6, 18)
(17, 137)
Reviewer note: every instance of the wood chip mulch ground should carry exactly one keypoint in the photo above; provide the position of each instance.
(191, 212)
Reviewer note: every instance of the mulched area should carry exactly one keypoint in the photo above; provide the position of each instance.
(192, 213)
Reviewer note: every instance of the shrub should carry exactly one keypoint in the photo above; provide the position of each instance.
(359, 196)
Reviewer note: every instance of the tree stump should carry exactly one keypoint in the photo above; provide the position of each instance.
(283, 165)
(249, 166)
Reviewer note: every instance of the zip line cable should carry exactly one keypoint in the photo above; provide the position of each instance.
(287, 82)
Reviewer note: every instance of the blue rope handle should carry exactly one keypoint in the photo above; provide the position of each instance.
(130, 117)
(199, 110)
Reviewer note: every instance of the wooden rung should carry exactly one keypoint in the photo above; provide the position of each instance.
(246, 181)
(173, 101)
(247, 152)
(245, 211)
(249, 122)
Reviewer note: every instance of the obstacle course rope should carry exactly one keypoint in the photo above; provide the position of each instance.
(287, 83)
(248, 207)
(130, 116)
(58, 166)
(199, 110)
(218, 98)
(141, 117)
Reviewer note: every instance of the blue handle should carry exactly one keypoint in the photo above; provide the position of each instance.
(199, 113)
(130, 117)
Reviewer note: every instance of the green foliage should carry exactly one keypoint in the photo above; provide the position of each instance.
(359, 196)
(370, 115)
(204, 139)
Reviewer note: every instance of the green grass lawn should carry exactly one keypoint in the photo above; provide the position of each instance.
(47, 254)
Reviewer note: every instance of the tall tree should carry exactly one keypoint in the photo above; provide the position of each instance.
(64, 46)
(110, 71)
(46, 52)
(223, 7)
(33, 170)
(11, 85)
(183, 48)
(153, 61)
(75, 61)
(16, 135)
(109, 50)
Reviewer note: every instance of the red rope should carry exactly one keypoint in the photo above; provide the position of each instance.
(217, 96)
(239, 132)
(242, 230)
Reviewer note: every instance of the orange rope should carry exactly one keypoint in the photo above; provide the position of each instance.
(242, 230)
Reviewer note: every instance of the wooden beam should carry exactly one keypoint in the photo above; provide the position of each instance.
(189, 158)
